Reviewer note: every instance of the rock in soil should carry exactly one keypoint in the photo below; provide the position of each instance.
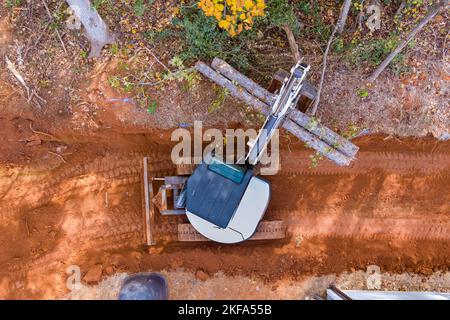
(94, 275)
(109, 270)
(201, 275)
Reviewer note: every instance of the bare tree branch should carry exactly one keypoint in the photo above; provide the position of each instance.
(322, 76)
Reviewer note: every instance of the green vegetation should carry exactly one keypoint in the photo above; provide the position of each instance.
(84, 54)
(315, 160)
(12, 3)
(151, 106)
(114, 82)
(338, 45)
(363, 93)
(188, 76)
(121, 83)
(221, 95)
(97, 4)
(320, 29)
(141, 6)
(374, 51)
(203, 39)
(152, 36)
(312, 124)
(352, 131)
(280, 12)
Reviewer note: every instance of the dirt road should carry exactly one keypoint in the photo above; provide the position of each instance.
(392, 208)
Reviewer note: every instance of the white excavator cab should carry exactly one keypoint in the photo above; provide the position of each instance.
(225, 202)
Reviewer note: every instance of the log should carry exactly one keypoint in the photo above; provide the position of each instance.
(343, 16)
(317, 144)
(292, 43)
(247, 83)
(308, 123)
(255, 89)
(339, 27)
(235, 91)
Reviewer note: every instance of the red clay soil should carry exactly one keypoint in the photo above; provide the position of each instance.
(391, 208)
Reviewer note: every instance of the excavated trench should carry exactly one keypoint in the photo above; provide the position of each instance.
(390, 208)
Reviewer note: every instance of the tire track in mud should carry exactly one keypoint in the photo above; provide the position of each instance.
(98, 174)
(369, 228)
(387, 161)
(121, 225)
(120, 230)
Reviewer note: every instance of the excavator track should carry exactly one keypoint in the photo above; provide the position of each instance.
(389, 162)
(266, 230)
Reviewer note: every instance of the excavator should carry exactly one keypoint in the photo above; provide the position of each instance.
(226, 202)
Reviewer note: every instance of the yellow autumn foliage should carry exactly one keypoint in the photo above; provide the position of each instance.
(233, 16)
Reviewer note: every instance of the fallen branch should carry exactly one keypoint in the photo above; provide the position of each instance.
(31, 93)
(430, 15)
(292, 43)
(334, 147)
(40, 132)
(51, 19)
(343, 16)
(315, 105)
(17, 75)
(339, 25)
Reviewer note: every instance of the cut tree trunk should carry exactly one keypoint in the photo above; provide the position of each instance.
(255, 89)
(327, 135)
(96, 29)
(314, 142)
(251, 86)
(235, 91)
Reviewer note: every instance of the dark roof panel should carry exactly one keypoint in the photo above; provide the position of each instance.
(214, 197)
